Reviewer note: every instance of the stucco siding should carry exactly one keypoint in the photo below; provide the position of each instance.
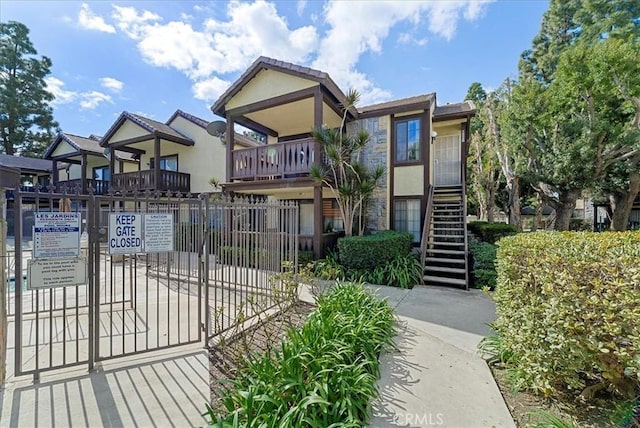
(128, 130)
(268, 84)
(408, 180)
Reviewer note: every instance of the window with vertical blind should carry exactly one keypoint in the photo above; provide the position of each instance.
(406, 217)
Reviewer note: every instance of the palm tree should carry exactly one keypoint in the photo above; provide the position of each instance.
(351, 182)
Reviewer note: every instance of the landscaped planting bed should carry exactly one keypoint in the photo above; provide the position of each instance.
(568, 315)
(323, 374)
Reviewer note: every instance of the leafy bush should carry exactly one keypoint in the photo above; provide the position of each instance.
(491, 232)
(305, 257)
(568, 309)
(324, 374)
(243, 257)
(367, 252)
(483, 256)
(402, 271)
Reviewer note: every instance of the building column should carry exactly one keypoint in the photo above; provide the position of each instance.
(112, 166)
(230, 142)
(83, 173)
(55, 177)
(318, 222)
(156, 164)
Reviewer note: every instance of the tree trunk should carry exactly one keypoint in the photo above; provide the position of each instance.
(564, 208)
(622, 204)
(491, 203)
(513, 191)
(537, 218)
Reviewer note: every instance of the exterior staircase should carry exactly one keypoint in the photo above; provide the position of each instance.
(444, 238)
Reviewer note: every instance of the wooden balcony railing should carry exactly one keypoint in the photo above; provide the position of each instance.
(100, 187)
(172, 181)
(280, 160)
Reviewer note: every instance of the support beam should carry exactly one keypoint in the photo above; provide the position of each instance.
(230, 139)
(156, 163)
(55, 174)
(318, 222)
(83, 173)
(112, 165)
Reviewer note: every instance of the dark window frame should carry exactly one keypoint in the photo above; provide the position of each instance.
(421, 144)
(417, 198)
(96, 168)
(175, 155)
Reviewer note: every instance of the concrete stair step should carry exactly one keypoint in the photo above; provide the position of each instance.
(445, 269)
(444, 280)
(443, 260)
(450, 252)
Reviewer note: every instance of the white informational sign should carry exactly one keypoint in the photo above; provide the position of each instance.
(158, 233)
(49, 273)
(125, 233)
(56, 235)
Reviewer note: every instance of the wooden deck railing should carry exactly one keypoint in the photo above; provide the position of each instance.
(100, 187)
(145, 180)
(280, 160)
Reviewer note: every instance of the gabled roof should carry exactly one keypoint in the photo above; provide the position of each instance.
(266, 63)
(25, 164)
(190, 117)
(154, 128)
(455, 109)
(396, 106)
(83, 144)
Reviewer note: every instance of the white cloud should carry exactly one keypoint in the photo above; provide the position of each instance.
(87, 100)
(209, 90)
(111, 84)
(408, 39)
(300, 6)
(90, 21)
(222, 46)
(359, 27)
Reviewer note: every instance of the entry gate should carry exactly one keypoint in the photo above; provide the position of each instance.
(224, 254)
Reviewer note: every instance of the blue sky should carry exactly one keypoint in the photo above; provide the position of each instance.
(153, 57)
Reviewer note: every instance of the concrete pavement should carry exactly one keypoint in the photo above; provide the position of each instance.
(436, 377)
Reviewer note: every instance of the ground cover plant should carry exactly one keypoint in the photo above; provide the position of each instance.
(322, 375)
(401, 271)
(568, 306)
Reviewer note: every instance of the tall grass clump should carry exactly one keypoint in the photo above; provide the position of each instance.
(323, 375)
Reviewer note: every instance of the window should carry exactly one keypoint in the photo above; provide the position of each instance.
(167, 163)
(406, 214)
(407, 137)
(101, 173)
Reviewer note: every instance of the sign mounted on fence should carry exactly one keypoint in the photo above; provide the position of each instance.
(131, 233)
(125, 233)
(158, 233)
(56, 235)
(48, 273)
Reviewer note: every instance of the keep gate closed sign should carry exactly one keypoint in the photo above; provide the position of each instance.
(125, 233)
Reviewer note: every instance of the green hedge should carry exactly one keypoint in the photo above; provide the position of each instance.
(491, 232)
(568, 310)
(483, 259)
(322, 375)
(368, 252)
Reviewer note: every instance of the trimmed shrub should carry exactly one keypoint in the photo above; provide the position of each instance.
(568, 310)
(491, 232)
(483, 262)
(367, 252)
(305, 257)
(322, 375)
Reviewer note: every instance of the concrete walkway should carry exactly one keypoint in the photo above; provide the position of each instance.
(436, 378)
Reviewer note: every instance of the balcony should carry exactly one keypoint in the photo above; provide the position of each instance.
(170, 181)
(280, 160)
(100, 187)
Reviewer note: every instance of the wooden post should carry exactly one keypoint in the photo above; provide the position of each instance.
(230, 139)
(112, 166)
(55, 177)
(83, 174)
(156, 164)
(318, 221)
